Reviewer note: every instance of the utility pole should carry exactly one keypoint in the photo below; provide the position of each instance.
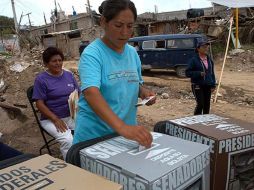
(14, 16)
(90, 12)
(89, 6)
(1, 30)
(20, 19)
(189, 4)
(45, 19)
(15, 21)
(29, 19)
(56, 14)
(56, 17)
(156, 11)
(236, 30)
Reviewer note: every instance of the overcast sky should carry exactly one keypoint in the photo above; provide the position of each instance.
(37, 7)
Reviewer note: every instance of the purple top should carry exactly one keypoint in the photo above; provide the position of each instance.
(55, 91)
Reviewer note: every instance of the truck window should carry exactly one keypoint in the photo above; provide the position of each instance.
(149, 44)
(160, 44)
(153, 44)
(131, 43)
(180, 43)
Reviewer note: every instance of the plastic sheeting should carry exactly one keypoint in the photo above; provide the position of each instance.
(234, 3)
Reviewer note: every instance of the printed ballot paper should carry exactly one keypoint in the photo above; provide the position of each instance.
(145, 101)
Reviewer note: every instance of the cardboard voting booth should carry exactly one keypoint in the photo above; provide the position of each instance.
(231, 145)
(171, 163)
(46, 172)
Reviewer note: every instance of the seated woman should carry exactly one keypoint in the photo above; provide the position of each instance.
(51, 92)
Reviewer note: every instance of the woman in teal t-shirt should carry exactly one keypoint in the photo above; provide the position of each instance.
(111, 81)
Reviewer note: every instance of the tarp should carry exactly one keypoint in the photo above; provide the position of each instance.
(234, 3)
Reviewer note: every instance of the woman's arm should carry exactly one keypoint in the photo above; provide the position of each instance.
(60, 125)
(102, 109)
(190, 72)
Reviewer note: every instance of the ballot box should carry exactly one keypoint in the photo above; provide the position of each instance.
(231, 143)
(171, 163)
(46, 172)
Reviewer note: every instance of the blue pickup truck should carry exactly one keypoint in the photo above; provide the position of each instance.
(168, 51)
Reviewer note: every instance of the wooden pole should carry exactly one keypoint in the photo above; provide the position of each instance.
(45, 19)
(2, 38)
(15, 22)
(90, 12)
(14, 16)
(224, 61)
(236, 32)
(29, 20)
(18, 36)
(30, 25)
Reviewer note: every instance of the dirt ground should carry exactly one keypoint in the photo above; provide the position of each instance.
(236, 98)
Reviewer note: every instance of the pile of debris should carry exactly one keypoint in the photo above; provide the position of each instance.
(33, 55)
(3, 72)
(237, 96)
(167, 92)
(243, 60)
(16, 74)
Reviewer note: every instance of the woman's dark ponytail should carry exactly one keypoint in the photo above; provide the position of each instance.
(111, 8)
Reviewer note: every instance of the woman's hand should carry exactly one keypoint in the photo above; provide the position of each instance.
(60, 125)
(146, 93)
(137, 133)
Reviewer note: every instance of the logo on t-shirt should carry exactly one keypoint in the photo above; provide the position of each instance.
(129, 75)
(70, 85)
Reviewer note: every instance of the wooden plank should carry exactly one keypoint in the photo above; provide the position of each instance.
(224, 60)
(10, 107)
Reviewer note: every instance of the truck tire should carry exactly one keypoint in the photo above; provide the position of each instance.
(180, 71)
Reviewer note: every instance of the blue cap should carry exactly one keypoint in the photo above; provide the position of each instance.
(202, 41)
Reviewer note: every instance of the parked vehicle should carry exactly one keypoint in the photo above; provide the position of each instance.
(168, 51)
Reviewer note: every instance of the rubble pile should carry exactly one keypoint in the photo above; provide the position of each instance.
(216, 25)
(16, 74)
(240, 60)
(18, 126)
(91, 34)
(167, 92)
(32, 56)
(237, 96)
(247, 31)
(3, 72)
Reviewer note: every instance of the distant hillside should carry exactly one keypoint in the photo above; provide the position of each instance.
(6, 25)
